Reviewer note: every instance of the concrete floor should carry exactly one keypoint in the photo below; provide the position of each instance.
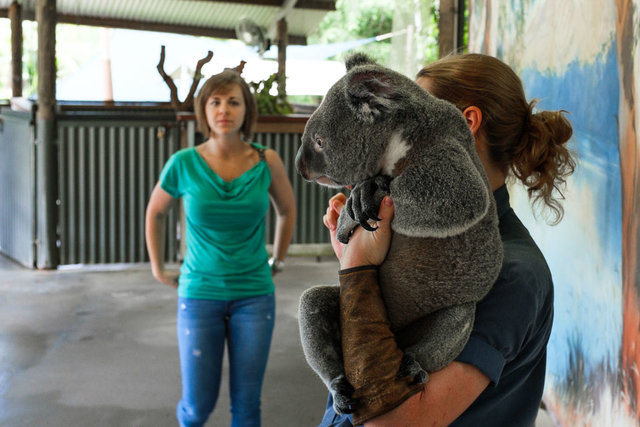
(88, 347)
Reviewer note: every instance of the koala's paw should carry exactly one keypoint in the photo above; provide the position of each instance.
(342, 391)
(365, 198)
(409, 367)
(345, 227)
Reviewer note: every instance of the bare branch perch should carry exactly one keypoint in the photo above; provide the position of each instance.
(187, 105)
(175, 102)
(240, 67)
(188, 102)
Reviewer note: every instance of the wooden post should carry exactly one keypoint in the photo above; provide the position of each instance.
(107, 83)
(448, 27)
(283, 41)
(46, 153)
(46, 19)
(15, 15)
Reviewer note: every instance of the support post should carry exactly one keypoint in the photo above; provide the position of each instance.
(448, 27)
(15, 16)
(46, 153)
(107, 83)
(283, 41)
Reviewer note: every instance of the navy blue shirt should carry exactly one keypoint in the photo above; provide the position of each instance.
(509, 338)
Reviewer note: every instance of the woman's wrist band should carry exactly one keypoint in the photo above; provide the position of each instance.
(276, 265)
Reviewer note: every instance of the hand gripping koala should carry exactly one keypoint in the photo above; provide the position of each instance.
(379, 133)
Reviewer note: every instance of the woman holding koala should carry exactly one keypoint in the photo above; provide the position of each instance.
(225, 286)
(498, 378)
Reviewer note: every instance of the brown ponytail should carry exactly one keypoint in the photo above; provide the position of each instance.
(526, 145)
(542, 160)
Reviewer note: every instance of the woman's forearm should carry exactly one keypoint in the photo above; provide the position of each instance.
(155, 238)
(159, 205)
(285, 224)
(284, 205)
(447, 394)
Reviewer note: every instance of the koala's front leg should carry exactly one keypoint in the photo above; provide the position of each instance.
(362, 205)
(440, 195)
(319, 318)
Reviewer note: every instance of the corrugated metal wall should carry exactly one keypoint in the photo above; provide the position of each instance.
(107, 169)
(108, 164)
(17, 187)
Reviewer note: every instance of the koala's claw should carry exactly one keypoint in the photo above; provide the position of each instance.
(366, 226)
(342, 391)
(365, 198)
(356, 213)
(363, 204)
(409, 367)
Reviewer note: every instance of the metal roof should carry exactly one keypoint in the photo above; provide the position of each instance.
(196, 17)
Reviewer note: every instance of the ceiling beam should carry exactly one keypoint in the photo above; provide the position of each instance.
(223, 33)
(302, 4)
(317, 5)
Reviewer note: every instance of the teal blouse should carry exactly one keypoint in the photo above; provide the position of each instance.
(225, 258)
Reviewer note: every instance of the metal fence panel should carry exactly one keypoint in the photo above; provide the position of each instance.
(108, 163)
(17, 187)
(106, 174)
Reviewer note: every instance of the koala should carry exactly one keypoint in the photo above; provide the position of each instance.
(377, 132)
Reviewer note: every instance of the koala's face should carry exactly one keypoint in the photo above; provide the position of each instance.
(331, 147)
(345, 137)
(313, 158)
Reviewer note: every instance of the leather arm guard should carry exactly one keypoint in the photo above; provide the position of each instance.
(371, 355)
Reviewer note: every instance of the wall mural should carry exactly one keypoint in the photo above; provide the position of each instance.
(579, 56)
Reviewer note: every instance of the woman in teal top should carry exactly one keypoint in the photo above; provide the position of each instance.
(225, 286)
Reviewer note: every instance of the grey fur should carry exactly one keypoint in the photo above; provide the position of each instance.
(381, 133)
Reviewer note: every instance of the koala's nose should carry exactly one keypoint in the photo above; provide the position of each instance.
(301, 164)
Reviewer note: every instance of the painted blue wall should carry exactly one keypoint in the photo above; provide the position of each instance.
(585, 251)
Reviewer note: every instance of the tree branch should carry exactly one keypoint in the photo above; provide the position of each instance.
(188, 102)
(175, 103)
(240, 67)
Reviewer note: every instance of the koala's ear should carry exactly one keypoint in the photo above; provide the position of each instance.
(358, 59)
(370, 93)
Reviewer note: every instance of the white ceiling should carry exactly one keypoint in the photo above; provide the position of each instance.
(198, 17)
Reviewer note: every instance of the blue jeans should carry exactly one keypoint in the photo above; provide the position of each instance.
(203, 327)
(332, 419)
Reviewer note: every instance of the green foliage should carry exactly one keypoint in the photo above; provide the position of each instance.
(360, 19)
(465, 32)
(305, 99)
(354, 20)
(30, 73)
(373, 22)
(75, 47)
(431, 48)
(268, 104)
